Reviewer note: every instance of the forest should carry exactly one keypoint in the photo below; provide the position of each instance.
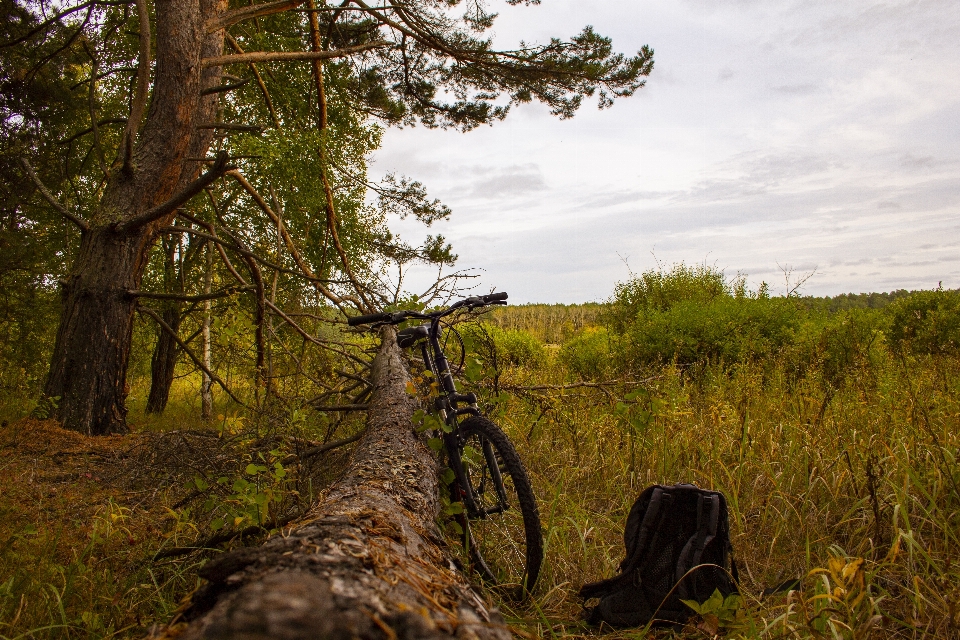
(188, 222)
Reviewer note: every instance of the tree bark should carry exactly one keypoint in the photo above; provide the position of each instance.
(367, 563)
(164, 362)
(89, 362)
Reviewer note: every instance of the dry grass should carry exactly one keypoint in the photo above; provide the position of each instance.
(83, 518)
(862, 504)
(856, 493)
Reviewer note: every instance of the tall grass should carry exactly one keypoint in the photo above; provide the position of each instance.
(832, 426)
(837, 451)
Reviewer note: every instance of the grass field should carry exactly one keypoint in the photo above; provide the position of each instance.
(834, 434)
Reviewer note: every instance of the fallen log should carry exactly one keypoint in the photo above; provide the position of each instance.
(367, 562)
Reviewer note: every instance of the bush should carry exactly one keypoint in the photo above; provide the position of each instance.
(722, 331)
(926, 322)
(661, 291)
(591, 354)
(513, 346)
(834, 347)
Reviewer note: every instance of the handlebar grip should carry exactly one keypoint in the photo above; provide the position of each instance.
(493, 297)
(368, 319)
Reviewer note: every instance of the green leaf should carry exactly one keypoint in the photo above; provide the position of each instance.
(473, 370)
(693, 604)
(713, 603)
(448, 476)
(435, 444)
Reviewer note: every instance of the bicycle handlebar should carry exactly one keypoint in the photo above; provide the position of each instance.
(399, 316)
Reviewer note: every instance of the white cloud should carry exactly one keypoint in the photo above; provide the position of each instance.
(810, 133)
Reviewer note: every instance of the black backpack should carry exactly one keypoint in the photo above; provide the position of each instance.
(678, 548)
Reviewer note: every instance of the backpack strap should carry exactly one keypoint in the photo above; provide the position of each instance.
(708, 516)
(650, 518)
(635, 539)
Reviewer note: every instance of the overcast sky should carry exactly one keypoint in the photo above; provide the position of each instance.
(809, 134)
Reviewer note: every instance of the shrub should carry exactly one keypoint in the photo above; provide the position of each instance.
(591, 354)
(834, 347)
(723, 330)
(926, 322)
(661, 291)
(513, 346)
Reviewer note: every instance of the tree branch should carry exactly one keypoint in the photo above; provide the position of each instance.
(179, 199)
(143, 87)
(291, 246)
(231, 126)
(223, 293)
(341, 407)
(231, 18)
(62, 210)
(90, 129)
(163, 325)
(260, 83)
(225, 536)
(287, 56)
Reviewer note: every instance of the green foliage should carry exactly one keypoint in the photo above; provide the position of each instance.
(513, 347)
(835, 347)
(926, 322)
(657, 290)
(592, 354)
(717, 612)
(722, 329)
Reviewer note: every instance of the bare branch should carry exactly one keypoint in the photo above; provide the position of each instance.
(143, 87)
(226, 536)
(223, 293)
(179, 199)
(230, 18)
(231, 126)
(315, 45)
(291, 246)
(224, 88)
(163, 325)
(341, 407)
(260, 83)
(62, 210)
(579, 385)
(46, 23)
(90, 129)
(287, 56)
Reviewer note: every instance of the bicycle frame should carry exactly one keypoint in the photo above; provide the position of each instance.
(448, 406)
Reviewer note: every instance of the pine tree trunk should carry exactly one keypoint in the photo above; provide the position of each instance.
(367, 563)
(164, 362)
(89, 362)
(89, 366)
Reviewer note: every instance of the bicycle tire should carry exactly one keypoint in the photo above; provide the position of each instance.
(505, 548)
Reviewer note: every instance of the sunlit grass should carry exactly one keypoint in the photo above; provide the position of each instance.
(846, 478)
(870, 487)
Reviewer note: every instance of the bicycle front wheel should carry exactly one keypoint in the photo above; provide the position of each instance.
(503, 537)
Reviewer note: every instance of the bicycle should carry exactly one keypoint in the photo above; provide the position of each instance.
(499, 518)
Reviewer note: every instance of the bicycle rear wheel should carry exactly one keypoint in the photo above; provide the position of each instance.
(504, 539)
